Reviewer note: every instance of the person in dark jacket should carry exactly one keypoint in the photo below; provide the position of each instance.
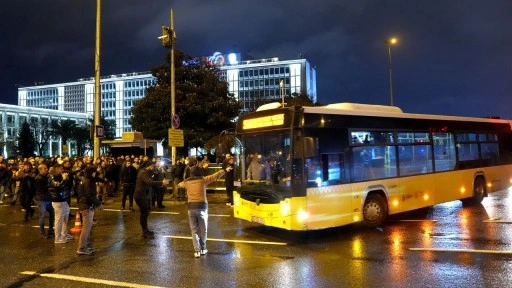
(229, 180)
(28, 188)
(178, 171)
(44, 198)
(143, 186)
(158, 192)
(87, 202)
(111, 172)
(60, 195)
(128, 176)
(4, 177)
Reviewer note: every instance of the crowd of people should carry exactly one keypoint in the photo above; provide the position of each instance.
(54, 183)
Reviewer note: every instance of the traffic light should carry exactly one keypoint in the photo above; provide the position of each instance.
(167, 36)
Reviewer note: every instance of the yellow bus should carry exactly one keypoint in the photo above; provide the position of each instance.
(345, 163)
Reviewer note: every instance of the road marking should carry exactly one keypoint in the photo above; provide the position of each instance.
(228, 240)
(419, 220)
(163, 212)
(462, 250)
(218, 215)
(497, 220)
(154, 212)
(89, 280)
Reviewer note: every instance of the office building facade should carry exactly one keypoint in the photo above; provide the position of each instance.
(118, 94)
(255, 82)
(12, 118)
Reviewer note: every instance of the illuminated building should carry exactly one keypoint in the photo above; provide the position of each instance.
(12, 118)
(253, 83)
(118, 94)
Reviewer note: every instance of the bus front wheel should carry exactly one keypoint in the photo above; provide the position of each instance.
(374, 210)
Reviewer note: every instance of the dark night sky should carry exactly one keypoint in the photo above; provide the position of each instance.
(454, 56)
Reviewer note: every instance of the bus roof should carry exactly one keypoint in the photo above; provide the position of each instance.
(388, 111)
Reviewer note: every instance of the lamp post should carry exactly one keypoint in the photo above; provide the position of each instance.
(390, 42)
(97, 86)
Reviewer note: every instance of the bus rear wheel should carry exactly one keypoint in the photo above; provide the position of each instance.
(478, 191)
(375, 210)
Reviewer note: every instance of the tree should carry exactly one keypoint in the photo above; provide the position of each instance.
(26, 142)
(222, 143)
(2, 139)
(63, 129)
(202, 101)
(297, 99)
(83, 139)
(42, 134)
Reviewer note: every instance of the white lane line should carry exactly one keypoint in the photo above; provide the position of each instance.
(154, 212)
(163, 212)
(492, 220)
(419, 220)
(229, 240)
(218, 215)
(462, 250)
(89, 280)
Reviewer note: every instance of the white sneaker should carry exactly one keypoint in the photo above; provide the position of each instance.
(204, 251)
(197, 254)
(69, 237)
(84, 252)
(60, 241)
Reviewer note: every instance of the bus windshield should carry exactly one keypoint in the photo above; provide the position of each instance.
(267, 157)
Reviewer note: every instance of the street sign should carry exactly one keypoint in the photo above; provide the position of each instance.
(176, 138)
(100, 131)
(175, 121)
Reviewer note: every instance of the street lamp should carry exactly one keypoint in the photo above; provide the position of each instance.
(390, 42)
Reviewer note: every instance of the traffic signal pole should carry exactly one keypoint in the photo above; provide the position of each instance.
(168, 39)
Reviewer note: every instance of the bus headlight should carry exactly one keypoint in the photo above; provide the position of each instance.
(285, 208)
(302, 216)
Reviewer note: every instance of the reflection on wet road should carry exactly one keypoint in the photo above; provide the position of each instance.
(448, 245)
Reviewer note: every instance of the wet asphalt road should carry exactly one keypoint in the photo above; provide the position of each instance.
(449, 245)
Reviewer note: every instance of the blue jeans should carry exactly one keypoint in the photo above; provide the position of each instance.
(85, 234)
(46, 206)
(198, 221)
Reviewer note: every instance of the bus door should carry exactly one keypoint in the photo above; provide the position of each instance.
(417, 181)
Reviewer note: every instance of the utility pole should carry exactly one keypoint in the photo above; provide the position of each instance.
(168, 39)
(97, 86)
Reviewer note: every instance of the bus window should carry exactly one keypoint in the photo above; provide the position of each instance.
(414, 159)
(332, 167)
(490, 152)
(468, 151)
(371, 137)
(314, 172)
(373, 162)
(466, 137)
(444, 151)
